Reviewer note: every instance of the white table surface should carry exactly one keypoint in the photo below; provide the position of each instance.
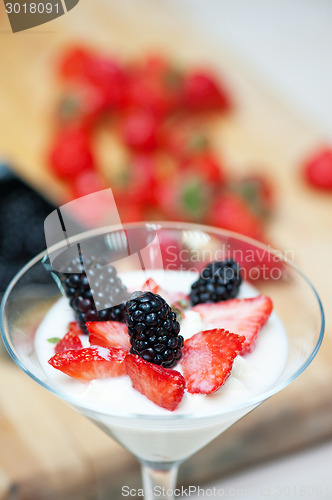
(302, 475)
(289, 43)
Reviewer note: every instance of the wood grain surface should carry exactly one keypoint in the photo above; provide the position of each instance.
(46, 449)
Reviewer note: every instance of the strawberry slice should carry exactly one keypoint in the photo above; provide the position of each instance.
(207, 359)
(241, 316)
(108, 334)
(91, 363)
(151, 286)
(71, 340)
(163, 386)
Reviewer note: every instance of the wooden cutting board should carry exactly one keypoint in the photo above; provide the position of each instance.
(46, 449)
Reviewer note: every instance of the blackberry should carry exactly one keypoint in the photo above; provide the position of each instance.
(107, 290)
(153, 329)
(218, 281)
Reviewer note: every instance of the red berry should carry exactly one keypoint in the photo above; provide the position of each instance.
(241, 316)
(207, 166)
(71, 340)
(231, 212)
(108, 334)
(107, 75)
(207, 359)
(183, 137)
(139, 130)
(318, 169)
(91, 363)
(162, 386)
(71, 153)
(86, 183)
(257, 263)
(81, 105)
(185, 197)
(140, 180)
(74, 63)
(202, 91)
(151, 286)
(154, 86)
(130, 212)
(258, 193)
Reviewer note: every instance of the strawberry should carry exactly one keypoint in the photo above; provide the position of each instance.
(104, 74)
(91, 363)
(208, 167)
(155, 86)
(162, 386)
(130, 212)
(108, 334)
(109, 78)
(257, 191)
(151, 286)
(241, 316)
(81, 105)
(208, 358)
(183, 137)
(139, 179)
(185, 197)
(258, 263)
(74, 63)
(231, 212)
(202, 91)
(318, 169)
(86, 183)
(71, 340)
(139, 130)
(70, 153)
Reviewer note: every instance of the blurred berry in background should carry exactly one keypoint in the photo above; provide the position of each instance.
(158, 116)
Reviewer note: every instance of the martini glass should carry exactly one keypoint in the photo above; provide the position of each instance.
(162, 442)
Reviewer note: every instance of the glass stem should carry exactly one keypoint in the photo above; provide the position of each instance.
(159, 480)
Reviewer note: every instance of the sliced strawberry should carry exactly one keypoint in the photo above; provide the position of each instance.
(71, 340)
(151, 286)
(241, 316)
(91, 363)
(207, 359)
(163, 386)
(108, 334)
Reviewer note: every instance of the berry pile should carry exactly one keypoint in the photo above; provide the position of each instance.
(149, 344)
(85, 300)
(153, 329)
(144, 127)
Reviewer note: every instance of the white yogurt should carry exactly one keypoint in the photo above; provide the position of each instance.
(251, 375)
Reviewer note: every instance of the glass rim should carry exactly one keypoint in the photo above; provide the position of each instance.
(171, 417)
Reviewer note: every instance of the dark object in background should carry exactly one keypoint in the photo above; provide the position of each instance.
(22, 215)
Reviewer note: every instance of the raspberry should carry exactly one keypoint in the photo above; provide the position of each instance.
(153, 329)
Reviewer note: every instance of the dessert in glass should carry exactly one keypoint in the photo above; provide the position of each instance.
(163, 334)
